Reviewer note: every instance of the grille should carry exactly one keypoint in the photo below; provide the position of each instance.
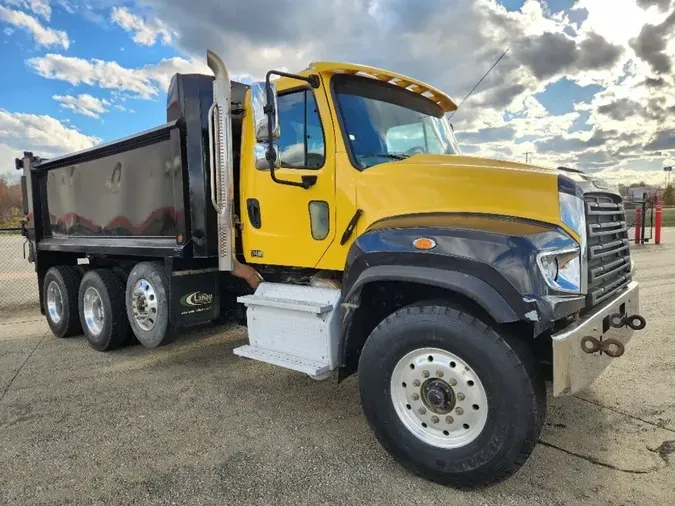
(608, 247)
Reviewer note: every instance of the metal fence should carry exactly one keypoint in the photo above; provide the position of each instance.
(18, 281)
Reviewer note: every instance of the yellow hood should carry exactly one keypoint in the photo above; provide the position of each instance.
(455, 183)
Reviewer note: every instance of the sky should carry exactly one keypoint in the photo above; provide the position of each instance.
(585, 84)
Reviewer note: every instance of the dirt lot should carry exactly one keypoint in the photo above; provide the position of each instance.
(192, 424)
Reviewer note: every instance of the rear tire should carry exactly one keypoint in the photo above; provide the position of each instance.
(60, 289)
(448, 396)
(147, 304)
(101, 305)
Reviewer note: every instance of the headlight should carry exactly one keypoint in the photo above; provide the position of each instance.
(561, 269)
(572, 212)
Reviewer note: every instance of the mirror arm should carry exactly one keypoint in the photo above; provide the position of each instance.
(270, 154)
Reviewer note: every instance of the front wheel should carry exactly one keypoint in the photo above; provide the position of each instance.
(450, 397)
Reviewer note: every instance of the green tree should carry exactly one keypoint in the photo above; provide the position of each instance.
(10, 204)
(669, 196)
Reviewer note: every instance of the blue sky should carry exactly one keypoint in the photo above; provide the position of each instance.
(28, 92)
(580, 85)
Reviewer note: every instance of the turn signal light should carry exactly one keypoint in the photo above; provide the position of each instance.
(424, 243)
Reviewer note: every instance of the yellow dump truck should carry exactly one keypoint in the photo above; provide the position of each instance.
(333, 213)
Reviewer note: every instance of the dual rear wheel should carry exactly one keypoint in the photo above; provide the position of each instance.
(109, 306)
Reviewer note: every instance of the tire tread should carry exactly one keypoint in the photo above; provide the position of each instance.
(120, 331)
(520, 359)
(71, 282)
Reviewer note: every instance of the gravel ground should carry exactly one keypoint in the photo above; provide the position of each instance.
(191, 423)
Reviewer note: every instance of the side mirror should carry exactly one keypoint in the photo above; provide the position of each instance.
(258, 102)
(260, 152)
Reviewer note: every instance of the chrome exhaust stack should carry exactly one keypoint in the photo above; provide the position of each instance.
(222, 160)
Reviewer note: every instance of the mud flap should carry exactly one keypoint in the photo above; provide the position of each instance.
(195, 297)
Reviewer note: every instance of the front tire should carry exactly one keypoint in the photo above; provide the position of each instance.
(449, 397)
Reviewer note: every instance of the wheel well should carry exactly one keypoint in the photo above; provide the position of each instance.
(382, 298)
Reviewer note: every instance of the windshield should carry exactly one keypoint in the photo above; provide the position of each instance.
(383, 124)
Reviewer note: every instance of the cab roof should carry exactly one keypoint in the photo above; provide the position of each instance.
(433, 94)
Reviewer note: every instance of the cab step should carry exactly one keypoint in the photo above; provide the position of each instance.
(293, 326)
(309, 367)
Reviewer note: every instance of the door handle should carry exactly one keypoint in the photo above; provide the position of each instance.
(253, 208)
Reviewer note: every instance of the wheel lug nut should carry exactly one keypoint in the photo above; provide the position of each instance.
(459, 411)
(448, 419)
(425, 374)
(439, 374)
(415, 397)
(434, 419)
(416, 383)
(422, 411)
(460, 397)
(452, 382)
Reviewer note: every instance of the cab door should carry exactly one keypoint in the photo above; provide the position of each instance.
(288, 225)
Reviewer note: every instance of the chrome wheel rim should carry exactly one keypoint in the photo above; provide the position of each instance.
(439, 398)
(94, 315)
(144, 304)
(54, 302)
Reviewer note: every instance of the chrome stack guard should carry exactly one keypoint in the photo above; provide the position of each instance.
(574, 368)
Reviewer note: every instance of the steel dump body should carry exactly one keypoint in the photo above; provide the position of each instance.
(143, 195)
(126, 190)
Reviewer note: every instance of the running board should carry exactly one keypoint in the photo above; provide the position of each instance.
(309, 367)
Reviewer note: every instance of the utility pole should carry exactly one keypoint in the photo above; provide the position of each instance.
(527, 156)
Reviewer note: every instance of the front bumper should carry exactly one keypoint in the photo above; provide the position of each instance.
(573, 368)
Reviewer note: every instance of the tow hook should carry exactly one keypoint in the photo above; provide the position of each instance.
(612, 346)
(636, 322)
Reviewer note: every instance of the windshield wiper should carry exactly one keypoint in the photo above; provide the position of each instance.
(385, 155)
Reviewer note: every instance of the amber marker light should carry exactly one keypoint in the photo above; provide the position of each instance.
(424, 243)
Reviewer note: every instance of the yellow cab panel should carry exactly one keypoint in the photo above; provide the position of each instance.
(295, 225)
(376, 188)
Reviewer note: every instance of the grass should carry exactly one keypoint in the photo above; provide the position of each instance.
(668, 217)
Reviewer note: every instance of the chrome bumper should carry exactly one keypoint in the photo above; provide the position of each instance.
(573, 368)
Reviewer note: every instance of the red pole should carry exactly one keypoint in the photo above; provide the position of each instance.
(638, 224)
(657, 220)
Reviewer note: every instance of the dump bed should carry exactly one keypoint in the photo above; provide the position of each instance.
(116, 196)
(144, 195)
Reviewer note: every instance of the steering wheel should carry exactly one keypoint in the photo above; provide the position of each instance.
(415, 150)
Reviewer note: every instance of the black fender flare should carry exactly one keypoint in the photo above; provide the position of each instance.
(467, 285)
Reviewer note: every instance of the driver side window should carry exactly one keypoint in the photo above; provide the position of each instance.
(302, 142)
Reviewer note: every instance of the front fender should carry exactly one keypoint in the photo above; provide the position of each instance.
(467, 285)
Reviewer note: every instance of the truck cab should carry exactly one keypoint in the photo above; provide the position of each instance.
(334, 207)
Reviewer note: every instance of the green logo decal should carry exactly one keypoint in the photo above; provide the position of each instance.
(196, 299)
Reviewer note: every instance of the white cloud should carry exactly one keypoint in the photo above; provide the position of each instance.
(145, 82)
(38, 7)
(448, 44)
(627, 176)
(67, 6)
(43, 36)
(83, 104)
(123, 109)
(43, 135)
(145, 32)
